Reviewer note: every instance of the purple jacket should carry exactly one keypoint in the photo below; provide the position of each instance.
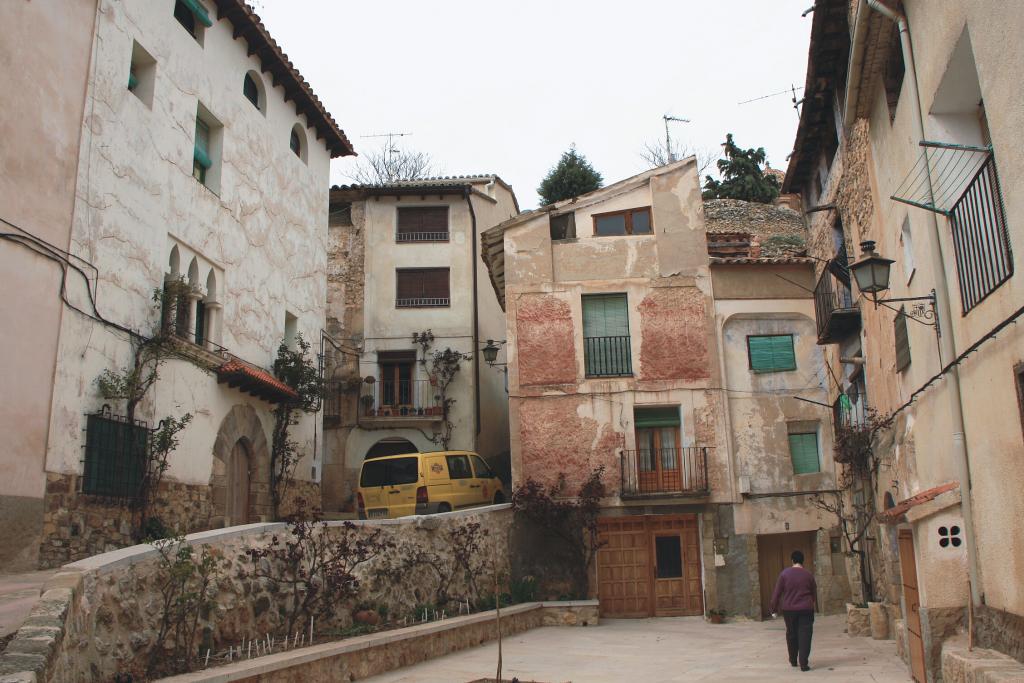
(794, 591)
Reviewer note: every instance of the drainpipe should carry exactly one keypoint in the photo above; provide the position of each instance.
(947, 346)
(476, 320)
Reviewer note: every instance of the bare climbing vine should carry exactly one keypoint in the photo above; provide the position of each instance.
(441, 367)
(294, 367)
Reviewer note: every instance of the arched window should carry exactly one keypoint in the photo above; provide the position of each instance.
(175, 262)
(211, 286)
(251, 90)
(295, 142)
(193, 273)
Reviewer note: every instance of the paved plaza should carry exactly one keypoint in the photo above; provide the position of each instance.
(670, 649)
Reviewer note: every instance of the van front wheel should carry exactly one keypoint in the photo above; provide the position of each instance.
(444, 507)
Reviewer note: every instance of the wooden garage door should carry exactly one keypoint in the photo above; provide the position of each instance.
(650, 566)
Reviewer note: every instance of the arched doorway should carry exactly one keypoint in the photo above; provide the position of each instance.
(391, 446)
(239, 471)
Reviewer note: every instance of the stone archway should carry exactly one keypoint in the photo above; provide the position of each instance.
(390, 446)
(241, 428)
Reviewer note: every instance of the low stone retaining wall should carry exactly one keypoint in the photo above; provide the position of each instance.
(98, 617)
(960, 665)
(364, 656)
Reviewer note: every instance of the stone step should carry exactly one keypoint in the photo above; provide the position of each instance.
(960, 665)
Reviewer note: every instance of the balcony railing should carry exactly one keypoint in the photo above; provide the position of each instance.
(835, 309)
(845, 413)
(401, 399)
(423, 302)
(665, 471)
(421, 237)
(607, 356)
(983, 257)
(332, 403)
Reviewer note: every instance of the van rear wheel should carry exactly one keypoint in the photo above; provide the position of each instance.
(499, 498)
(444, 507)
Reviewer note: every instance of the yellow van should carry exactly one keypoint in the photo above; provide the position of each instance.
(425, 483)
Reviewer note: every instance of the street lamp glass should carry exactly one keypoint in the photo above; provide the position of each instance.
(490, 351)
(872, 271)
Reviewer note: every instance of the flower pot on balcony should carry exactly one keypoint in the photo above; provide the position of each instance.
(404, 411)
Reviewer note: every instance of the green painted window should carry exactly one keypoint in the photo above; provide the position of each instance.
(606, 344)
(201, 155)
(771, 353)
(803, 451)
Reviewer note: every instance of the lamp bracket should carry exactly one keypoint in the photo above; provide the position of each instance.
(922, 310)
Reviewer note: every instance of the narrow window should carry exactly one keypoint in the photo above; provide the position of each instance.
(803, 451)
(1018, 375)
(771, 353)
(251, 90)
(629, 222)
(291, 330)
(421, 288)
(659, 465)
(606, 343)
(201, 161)
(902, 340)
(297, 142)
(142, 74)
(422, 224)
(908, 250)
(193, 17)
(396, 388)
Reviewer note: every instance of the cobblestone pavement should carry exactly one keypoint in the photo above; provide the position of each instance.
(663, 650)
(18, 592)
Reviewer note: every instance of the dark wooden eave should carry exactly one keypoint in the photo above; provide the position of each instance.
(826, 73)
(248, 26)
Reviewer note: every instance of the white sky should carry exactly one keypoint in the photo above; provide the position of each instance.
(505, 88)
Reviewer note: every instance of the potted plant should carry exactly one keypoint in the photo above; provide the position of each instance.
(716, 616)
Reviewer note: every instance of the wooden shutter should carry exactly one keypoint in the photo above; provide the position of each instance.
(422, 284)
(902, 341)
(420, 219)
(803, 450)
(771, 353)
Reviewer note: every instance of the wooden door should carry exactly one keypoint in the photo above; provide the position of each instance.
(675, 551)
(658, 462)
(650, 566)
(238, 485)
(623, 567)
(773, 555)
(908, 571)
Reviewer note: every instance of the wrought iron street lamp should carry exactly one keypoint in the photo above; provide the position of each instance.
(872, 275)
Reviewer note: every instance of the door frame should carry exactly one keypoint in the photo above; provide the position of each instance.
(905, 539)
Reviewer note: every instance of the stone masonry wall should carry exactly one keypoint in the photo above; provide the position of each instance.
(105, 616)
(76, 526)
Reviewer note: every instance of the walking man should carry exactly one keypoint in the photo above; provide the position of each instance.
(795, 593)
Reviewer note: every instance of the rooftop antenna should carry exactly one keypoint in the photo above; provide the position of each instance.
(792, 89)
(668, 140)
(390, 149)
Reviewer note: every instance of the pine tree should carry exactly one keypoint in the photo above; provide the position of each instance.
(571, 177)
(742, 176)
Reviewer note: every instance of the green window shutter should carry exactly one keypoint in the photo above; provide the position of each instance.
(133, 81)
(803, 450)
(656, 417)
(199, 11)
(202, 147)
(771, 353)
(606, 343)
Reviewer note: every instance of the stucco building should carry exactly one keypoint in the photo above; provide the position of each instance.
(404, 260)
(666, 341)
(906, 140)
(194, 153)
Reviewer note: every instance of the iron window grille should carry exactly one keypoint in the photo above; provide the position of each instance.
(116, 455)
(608, 356)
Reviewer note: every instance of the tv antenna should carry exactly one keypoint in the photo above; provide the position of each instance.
(668, 140)
(390, 136)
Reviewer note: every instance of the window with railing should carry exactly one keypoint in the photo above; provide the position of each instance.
(422, 288)
(835, 309)
(116, 452)
(980, 239)
(606, 343)
(332, 402)
(422, 224)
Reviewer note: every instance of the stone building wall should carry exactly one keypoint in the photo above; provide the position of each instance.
(103, 613)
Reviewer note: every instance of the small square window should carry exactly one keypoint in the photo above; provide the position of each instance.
(142, 74)
(193, 17)
(628, 222)
(803, 451)
(206, 151)
(771, 353)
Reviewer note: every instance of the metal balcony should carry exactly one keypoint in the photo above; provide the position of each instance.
(608, 356)
(665, 472)
(835, 309)
(403, 400)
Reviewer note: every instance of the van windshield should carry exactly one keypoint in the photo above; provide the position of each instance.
(389, 472)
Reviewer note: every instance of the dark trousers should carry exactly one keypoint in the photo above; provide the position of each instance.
(799, 629)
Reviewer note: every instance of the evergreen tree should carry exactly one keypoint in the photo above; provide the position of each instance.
(571, 177)
(742, 176)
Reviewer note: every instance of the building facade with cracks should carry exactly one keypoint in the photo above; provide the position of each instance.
(199, 160)
(906, 141)
(666, 340)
